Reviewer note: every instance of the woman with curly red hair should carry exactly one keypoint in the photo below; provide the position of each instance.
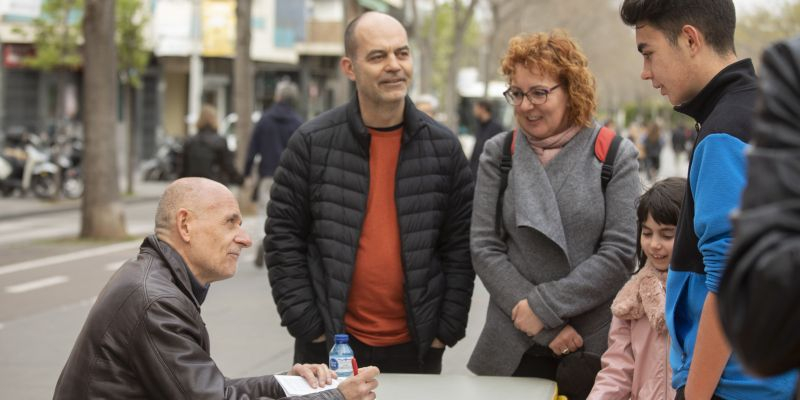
(563, 245)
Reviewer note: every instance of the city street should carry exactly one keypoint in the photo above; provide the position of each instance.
(48, 282)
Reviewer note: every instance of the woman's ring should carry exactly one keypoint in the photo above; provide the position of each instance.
(565, 350)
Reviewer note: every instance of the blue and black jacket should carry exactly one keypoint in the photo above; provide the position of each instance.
(717, 174)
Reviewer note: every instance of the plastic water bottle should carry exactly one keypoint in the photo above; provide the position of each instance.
(341, 357)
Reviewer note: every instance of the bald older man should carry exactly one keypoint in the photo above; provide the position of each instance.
(145, 338)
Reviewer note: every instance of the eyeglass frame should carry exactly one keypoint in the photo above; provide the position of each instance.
(528, 95)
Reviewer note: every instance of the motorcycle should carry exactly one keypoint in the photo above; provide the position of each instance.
(165, 166)
(25, 167)
(68, 154)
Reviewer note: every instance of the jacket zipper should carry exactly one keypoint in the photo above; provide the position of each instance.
(412, 326)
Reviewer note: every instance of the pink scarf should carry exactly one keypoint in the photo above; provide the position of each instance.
(547, 148)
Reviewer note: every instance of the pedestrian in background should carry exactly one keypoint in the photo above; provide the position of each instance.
(487, 127)
(689, 55)
(206, 154)
(636, 364)
(270, 136)
(759, 291)
(652, 145)
(368, 219)
(566, 247)
(145, 337)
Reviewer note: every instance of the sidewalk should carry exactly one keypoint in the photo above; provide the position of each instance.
(19, 207)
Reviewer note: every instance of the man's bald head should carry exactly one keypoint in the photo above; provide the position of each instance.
(190, 193)
(370, 17)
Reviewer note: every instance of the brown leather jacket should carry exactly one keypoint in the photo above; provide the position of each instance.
(145, 339)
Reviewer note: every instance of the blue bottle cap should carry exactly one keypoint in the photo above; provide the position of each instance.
(341, 338)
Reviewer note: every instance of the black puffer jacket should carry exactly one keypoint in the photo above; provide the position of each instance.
(316, 211)
(759, 295)
(145, 339)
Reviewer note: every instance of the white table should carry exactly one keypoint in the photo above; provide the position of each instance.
(462, 387)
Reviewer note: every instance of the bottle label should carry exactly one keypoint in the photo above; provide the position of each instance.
(343, 366)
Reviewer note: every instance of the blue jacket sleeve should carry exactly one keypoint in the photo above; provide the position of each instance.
(716, 178)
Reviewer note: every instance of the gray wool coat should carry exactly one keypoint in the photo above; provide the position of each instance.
(568, 251)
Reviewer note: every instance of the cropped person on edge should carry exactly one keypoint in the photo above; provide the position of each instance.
(759, 293)
(689, 55)
(206, 154)
(144, 336)
(566, 247)
(636, 364)
(368, 219)
(487, 128)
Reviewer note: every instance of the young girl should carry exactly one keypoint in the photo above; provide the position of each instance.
(635, 366)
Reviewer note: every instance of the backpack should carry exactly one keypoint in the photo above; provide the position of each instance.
(605, 149)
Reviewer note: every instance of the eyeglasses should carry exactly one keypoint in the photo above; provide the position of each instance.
(515, 96)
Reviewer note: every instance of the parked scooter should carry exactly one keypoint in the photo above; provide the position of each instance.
(166, 165)
(25, 167)
(68, 153)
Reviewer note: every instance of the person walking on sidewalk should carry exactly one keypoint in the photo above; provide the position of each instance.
(270, 136)
(206, 154)
(368, 219)
(689, 55)
(487, 128)
(145, 338)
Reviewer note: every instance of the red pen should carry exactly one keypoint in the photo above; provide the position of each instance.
(355, 366)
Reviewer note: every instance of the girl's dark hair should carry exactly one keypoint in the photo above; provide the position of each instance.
(662, 201)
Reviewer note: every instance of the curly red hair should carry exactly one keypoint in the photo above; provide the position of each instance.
(557, 54)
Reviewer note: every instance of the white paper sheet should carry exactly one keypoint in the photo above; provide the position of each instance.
(297, 385)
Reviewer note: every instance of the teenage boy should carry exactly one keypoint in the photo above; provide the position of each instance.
(689, 57)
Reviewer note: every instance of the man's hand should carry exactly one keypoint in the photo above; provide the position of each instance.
(525, 319)
(361, 386)
(315, 374)
(437, 344)
(567, 341)
(320, 339)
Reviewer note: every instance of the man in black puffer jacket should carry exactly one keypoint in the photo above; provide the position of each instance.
(759, 291)
(368, 220)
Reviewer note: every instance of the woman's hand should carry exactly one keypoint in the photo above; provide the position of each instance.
(525, 319)
(567, 341)
(361, 386)
(315, 374)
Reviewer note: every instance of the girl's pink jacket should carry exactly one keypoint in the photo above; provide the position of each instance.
(636, 364)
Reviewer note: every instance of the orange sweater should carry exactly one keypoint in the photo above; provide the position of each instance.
(376, 313)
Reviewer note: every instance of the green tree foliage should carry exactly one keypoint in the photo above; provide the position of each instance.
(58, 37)
(767, 24)
(132, 57)
(57, 33)
(444, 28)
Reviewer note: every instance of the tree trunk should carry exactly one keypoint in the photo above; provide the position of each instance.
(243, 96)
(462, 19)
(101, 210)
(130, 102)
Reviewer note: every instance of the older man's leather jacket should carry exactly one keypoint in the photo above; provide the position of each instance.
(145, 339)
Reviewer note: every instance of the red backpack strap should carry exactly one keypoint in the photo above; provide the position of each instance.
(603, 142)
(605, 149)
